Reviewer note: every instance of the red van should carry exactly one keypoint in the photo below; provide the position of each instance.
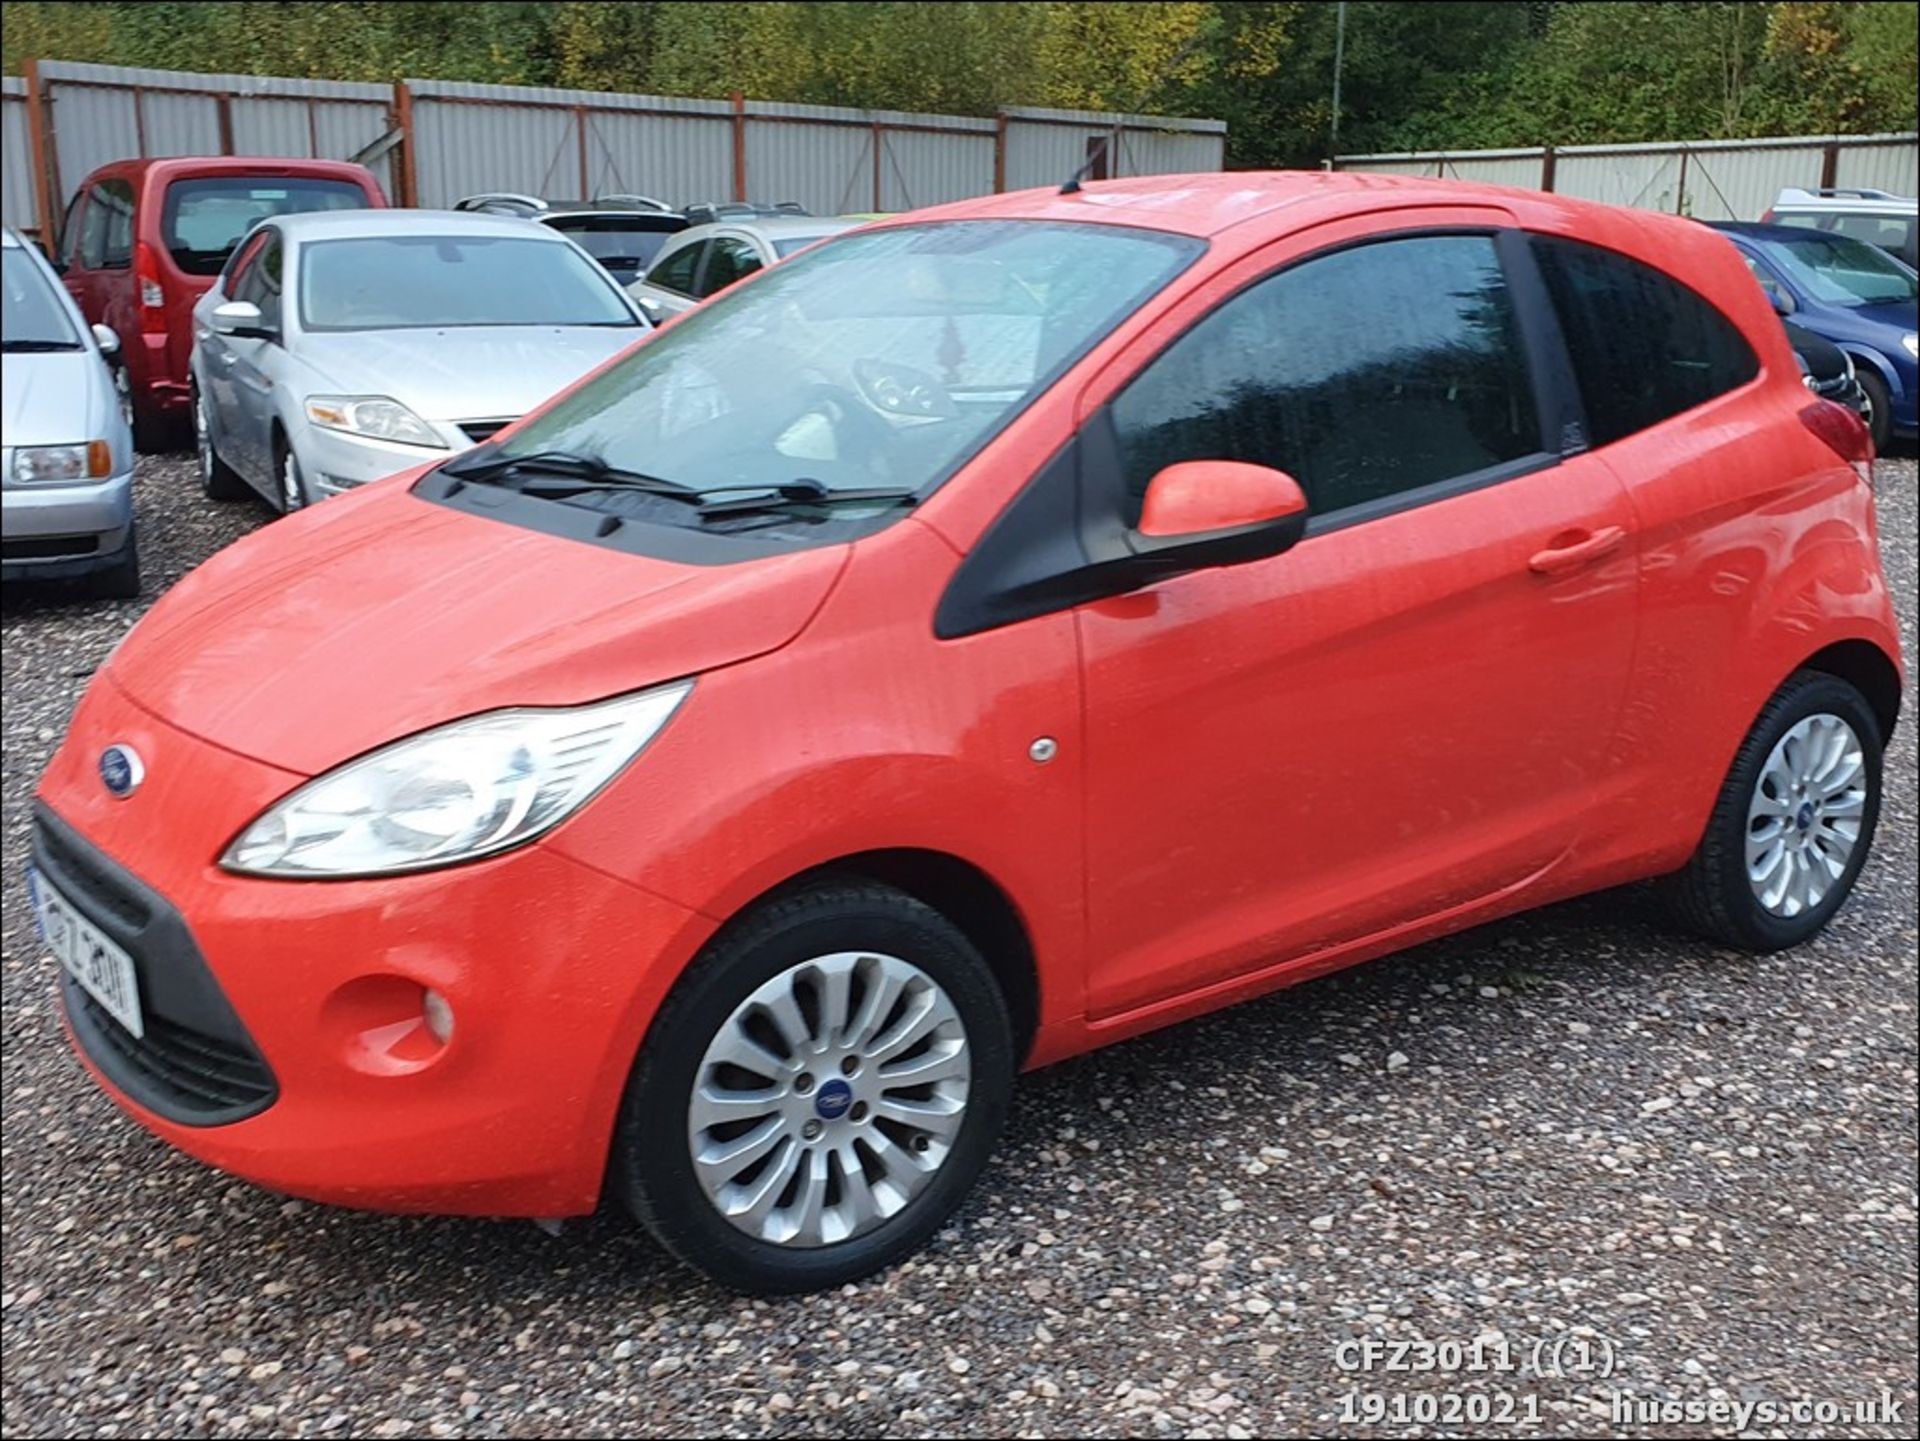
(144, 239)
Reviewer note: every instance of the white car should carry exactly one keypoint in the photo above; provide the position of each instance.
(1891, 222)
(66, 452)
(705, 259)
(338, 348)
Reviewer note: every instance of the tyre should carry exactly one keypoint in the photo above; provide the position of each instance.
(218, 480)
(819, 1092)
(1880, 407)
(121, 580)
(292, 492)
(1794, 821)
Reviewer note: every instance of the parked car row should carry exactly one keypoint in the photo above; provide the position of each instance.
(316, 340)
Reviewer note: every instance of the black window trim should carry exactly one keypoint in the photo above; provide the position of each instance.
(1020, 569)
(109, 261)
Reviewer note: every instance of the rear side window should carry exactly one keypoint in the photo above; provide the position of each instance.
(676, 272)
(1644, 347)
(1364, 374)
(202, 220)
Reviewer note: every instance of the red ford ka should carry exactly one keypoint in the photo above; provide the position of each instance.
(989, 635)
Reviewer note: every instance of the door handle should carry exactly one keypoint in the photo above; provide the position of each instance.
(1574, 549)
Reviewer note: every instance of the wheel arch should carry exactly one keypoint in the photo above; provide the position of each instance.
(964, 894)
(1869, 670)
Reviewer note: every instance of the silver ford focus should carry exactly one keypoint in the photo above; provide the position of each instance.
(338, 348)
(66, 454)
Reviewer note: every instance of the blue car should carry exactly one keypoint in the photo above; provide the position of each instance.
(1854, 294)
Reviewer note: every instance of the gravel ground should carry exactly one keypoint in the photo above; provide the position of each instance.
(1570, 1125)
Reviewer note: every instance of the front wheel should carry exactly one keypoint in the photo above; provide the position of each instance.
(293, 485)
(1879, 416)
(819, 1093)
(1794, 821)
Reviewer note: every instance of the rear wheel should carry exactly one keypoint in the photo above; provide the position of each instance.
(218, 479)
(1879, 407)
(819, 1093)
(1794, 821)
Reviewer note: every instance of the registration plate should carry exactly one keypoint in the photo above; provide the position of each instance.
(103, 970)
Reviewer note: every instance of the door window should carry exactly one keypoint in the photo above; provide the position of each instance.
(72, 230)
(677, 271)
(259, 280)
(729, 258)
(115, 199)
(1365, 373)
(1644, 347)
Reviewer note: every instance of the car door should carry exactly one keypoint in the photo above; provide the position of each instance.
(1401, 717)
(255, 363)
(216, 357)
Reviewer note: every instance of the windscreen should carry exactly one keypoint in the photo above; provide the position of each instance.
(403, 282)
(624, 247)
(884, 358)
(1839, 271)
(203, 220)
(33, 318)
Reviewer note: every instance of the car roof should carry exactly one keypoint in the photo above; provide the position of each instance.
(1871, 202)
(171, 166)
(782, 227)
(1759, 230)
(309, 225)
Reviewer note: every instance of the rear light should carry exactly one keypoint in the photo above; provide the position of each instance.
(1767, 218)
(153, 297)
(1845, 433)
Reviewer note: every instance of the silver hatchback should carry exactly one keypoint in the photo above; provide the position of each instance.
(66, 454)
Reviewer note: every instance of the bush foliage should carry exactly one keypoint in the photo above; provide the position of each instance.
(1418, 73)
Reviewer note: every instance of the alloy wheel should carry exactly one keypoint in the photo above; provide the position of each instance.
(202, 440)
(292, 494)
(1804, 819)
(829, 1099)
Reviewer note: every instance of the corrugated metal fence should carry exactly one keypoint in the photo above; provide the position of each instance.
(433, 141)
(1707, 179)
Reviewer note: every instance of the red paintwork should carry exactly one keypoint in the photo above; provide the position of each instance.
(1266, 772)
(157, 358)
(1196, 496)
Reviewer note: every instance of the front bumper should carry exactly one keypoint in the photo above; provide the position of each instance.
(552, 969)
(334, 461)
(50, 530)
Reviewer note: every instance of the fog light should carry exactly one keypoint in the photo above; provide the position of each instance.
(439, 1016)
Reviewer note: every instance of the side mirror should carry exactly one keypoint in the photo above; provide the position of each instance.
(107, 339)
(651, 306)
(240, 318)
(1781, 301)
(1218, 512)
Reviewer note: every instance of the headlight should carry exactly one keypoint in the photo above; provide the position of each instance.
(1910, 342)
(468, 789)
(89, 460)
(375, 416)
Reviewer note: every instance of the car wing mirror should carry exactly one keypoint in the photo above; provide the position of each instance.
(1202, 513)
(240, 318)
(1781, 301)
(107, 339)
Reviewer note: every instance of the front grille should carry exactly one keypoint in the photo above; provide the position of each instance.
(186, 1071)
(482, 430)
(53, 547)
(196, 1063)
(87, 880)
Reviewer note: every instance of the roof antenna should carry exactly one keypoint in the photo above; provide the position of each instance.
(1099, 152)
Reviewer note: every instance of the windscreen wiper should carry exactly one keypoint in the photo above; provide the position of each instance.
(799, 494)
(557, 473)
